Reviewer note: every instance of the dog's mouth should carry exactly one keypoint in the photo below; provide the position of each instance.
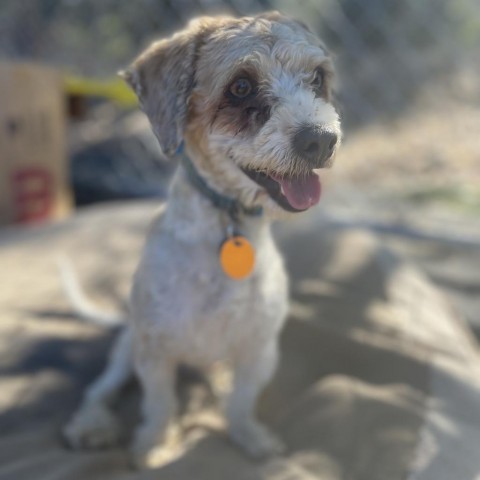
(292, 193)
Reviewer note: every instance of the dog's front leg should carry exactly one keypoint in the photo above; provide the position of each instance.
(252, 372)
(156, 376)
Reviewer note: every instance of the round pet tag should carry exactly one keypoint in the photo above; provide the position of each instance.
(237, 257)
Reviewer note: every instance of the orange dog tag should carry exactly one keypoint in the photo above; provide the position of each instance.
(237, 257)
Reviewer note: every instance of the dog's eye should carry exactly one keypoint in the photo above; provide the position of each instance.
(318, 79)
(241, 88)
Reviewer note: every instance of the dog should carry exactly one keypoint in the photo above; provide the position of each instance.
(245, 106)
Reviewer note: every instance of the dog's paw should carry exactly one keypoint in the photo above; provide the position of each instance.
(92, 427)
(256, 441)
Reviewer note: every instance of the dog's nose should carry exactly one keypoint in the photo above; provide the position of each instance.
(314, 144)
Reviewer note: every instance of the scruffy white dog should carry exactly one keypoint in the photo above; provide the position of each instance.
(249, 101)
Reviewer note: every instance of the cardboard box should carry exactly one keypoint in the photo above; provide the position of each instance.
(33, 159)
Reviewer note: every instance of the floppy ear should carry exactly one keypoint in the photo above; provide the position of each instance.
(163, 77)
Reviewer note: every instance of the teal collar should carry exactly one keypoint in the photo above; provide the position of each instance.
(233, 207)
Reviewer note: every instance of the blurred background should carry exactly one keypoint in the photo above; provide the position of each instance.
(408, 88)
(379, 377)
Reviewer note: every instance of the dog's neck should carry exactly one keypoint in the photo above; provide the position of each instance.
(230, 205)
(190, 214)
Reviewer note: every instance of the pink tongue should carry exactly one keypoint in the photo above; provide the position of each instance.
(301, 192)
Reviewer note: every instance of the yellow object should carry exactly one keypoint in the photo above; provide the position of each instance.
(114, 89)
(237, 257)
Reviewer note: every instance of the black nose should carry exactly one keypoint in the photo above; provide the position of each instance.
(314, 144)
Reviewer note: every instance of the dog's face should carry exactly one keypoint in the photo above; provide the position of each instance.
(251, 97)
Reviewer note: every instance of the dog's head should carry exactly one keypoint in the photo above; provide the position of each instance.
(251, 98)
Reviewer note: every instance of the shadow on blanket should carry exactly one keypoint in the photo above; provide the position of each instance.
(373, 361)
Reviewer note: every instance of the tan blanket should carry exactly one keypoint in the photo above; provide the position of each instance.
(379, 379)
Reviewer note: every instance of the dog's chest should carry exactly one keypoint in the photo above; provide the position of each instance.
(181, 294)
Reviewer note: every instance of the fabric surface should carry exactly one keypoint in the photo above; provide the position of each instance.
(378, 380)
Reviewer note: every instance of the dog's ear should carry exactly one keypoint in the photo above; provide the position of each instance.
(163, 77)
